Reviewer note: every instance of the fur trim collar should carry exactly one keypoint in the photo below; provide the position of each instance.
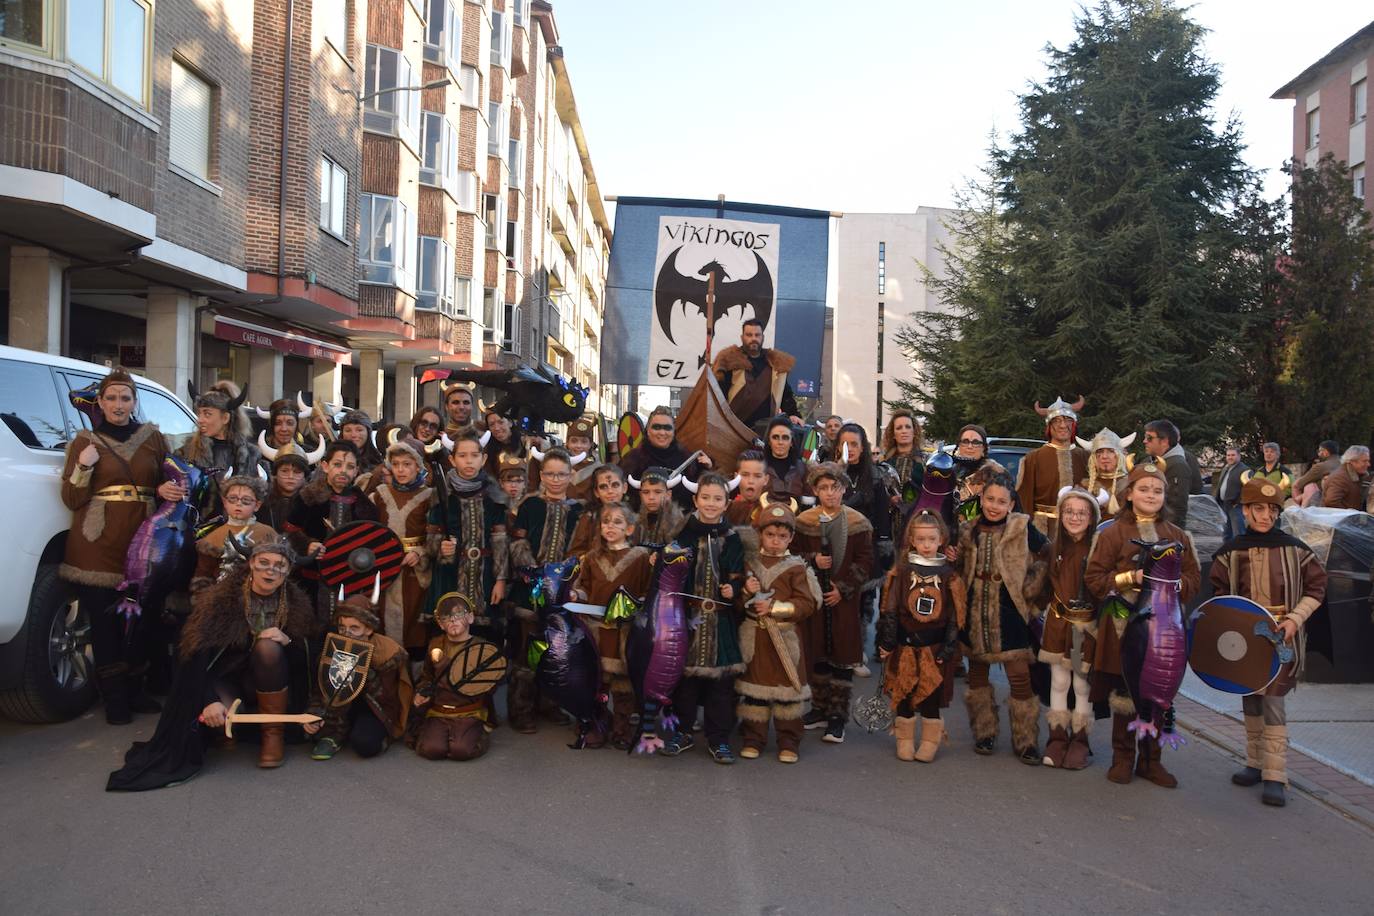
(733, 359)
(219, 619)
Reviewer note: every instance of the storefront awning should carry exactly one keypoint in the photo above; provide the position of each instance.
(235, 330)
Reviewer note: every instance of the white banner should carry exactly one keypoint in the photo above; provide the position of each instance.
(742, 256)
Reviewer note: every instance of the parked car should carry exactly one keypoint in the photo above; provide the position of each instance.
(46, 671)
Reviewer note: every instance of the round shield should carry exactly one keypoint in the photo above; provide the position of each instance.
(1224, 649)
(357, 552)
(477, 668)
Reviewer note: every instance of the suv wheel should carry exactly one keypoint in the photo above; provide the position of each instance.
(56, 682)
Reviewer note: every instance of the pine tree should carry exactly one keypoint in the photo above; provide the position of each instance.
(1105, 254)
(1330, 284)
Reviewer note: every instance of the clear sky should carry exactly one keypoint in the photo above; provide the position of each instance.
(883, 105)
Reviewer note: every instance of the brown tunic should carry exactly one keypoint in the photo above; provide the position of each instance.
(764, 640)
(740, 511)
(603, 573)
(1289, 581)
(436, 683)
(1113, 552)
(1069, 607)
(406, 513)
(210, 549)
(1043, 473)
(911, 671)
(843, 646)
(108, 502)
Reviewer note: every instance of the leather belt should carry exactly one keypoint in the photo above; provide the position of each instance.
(476, 553)
(125, 494)
(1074, 615)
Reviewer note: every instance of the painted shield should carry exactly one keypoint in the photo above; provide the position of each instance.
(357, 552)
(344, 664)
(811, 443)
(629, 433)
(1225, 650)
(477, 668)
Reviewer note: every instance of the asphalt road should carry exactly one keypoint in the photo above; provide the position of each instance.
(536, 828)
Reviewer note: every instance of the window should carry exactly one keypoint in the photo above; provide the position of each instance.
(333, 196)
(439, 152)
(516, 162)
(335, 24)
(434, 286)
(497, 123)
(1357, 176)
(396, 111)
(520, 10)
(494, 215)
(443, 33)
(462, 296)
(29, 405)
(878, 421)
(500, 39)
(386, 241)
(466, 192)
(882, 318)
(1359, 101)
(492, 315)
(109, 38)
(192, 110)
(1314, 127)
(512, 243)
(511, 339)
(171, 418)
(22, 21)
(471, 84)
(882, 269)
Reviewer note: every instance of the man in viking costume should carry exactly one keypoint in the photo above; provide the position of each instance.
(1107, 468)
(754, 378)
(1053, 466)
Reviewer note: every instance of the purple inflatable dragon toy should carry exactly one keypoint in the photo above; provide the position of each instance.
(162, 555)
(1154, 645)
(656, 649)
(564, 656)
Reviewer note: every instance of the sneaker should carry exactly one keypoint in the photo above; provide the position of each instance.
(787, 757)
(815, 719)
(677, 743)
(721, 753)
(834, 732)
(749, 752)
(324, 749)
(984, 746)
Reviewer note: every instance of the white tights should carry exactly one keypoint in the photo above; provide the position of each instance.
(1059, 689)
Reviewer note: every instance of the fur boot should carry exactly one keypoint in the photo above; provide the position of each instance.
(932, 733)
(1123, 749)
(1250, 774)
(904, 728)
(1076, 757)
(1274, 754)
(820, 703)
(982, 712)
(1025, 725)
(1057, 748)
(1151, 767)
(841, 694)
(273, 750)
(520, 701)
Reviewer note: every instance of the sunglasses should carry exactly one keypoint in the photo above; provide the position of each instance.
(661, 427)
(426, 424)
(970, 441)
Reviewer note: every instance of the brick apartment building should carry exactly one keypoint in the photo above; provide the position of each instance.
(162, 208)
(1331, 110)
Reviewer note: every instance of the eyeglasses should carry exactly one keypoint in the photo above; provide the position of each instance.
(240, 500)
(661, 427)
(555, 475)
(1075, 513)
(266, 565)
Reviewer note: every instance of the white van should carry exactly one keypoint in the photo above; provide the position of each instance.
(46, 671)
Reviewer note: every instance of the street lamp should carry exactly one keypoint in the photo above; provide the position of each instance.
(359, 98)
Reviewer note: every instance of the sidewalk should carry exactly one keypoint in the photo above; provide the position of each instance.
(1330, 731)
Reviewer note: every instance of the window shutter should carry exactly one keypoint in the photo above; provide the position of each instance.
(190, 134)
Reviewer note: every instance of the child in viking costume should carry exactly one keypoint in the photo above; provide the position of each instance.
(289, 472)
(1001, 557)
(455, 688)
(241, 497)
(753, 483)
(713, 657)
(608, 489)
(1280, 573)
(367, 707)
(838, 542)
(1107, 469)
(246, 639)
(613, 565)
(356, 426)
(543, 525)
(779, 592)
(660, 518)
(283, 418)
(403, 504)
(467, 538)
(581, 440)
(923, 608)
(1115, 572)
(511, 477)
(1055, 465)
(1068, 642)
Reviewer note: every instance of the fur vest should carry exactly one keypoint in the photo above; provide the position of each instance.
(733, 360)
(1023, 575)
(219, 617)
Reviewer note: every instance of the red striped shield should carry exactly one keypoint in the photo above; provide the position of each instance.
(356, 553)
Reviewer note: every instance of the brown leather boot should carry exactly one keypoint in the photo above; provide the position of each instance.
(1077, 754)
(905, 731)
(1123, 750)
(1058, 745)
(520, 701)
(1149, 766)
(273, 750)
(622, 729)
(932, 733)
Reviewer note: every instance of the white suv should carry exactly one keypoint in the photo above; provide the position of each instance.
(45, 664)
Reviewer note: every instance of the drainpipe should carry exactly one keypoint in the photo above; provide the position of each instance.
(282, 165)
